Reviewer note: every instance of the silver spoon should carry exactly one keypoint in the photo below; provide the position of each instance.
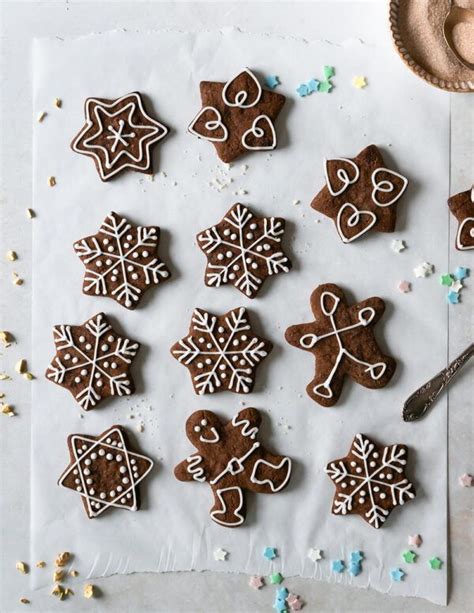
(420, 401)
(455, 16)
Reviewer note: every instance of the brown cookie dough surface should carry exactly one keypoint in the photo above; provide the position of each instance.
(462, 207)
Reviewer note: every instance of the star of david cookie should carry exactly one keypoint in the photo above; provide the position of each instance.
(243, 249)
(370, 481)
(104, 471)
(231, 460)
(462, 207)
(92, 361)
(118, 134)
(360, 194)
(237, 117)
(342, 340)
(121, 260)
(221, 352)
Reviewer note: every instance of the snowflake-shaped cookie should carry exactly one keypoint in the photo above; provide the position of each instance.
(104, 471)
(243, 250)
(221, 352)
(121, 260)
(237, 116)
(462, 207)
(118, 134)
(92, 361)
(342, 341)
(360, 194)
(370, 481)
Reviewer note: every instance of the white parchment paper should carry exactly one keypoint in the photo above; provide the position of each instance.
(173, 531)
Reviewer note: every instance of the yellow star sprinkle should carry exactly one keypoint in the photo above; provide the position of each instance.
(359, 82)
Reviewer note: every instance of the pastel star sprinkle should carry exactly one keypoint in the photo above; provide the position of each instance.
(338, 566)
(329, 71)
(315, 554)
(398, 245)
(397, 574)
(325, 87)
(276, 578)
(409, 556)
(453, 297)
(220, 554)
(355, 569)
(446, 279)
(456, 286)
(302, 90)
(272, 81)
(415, 540)
(404, 287)
(270, 553)
(280, 599)
(461, 273)
(256, 582)
(359, 82)
(425, 269)
(465, 480)
(356, 557)
(435, 563)
(313, 85)
(295, 603)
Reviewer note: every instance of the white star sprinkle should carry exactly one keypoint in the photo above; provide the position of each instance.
(398, 245)
(425, 269)
(220, 555)
(315, 554)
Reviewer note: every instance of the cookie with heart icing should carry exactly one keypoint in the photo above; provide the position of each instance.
(462, 207)
(360, 194)
(237, 117)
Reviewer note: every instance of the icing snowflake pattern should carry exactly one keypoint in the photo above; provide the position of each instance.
(121, 260)
(370, 481)
(92, 361)
(221, 352)
(244, 250)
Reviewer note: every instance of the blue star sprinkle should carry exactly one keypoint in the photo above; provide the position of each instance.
(282, 593)
(461, 273)
(312, 85)
(337, 566)
(272, 81)
(355, 569)
(302, 90)
(397, 574)
(357, 557)
(270, 553)
(453, 298)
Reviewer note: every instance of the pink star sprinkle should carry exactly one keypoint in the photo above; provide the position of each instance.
(256, 582)
(465, 480)
(404, 287)
(415, 540)
(294, 602)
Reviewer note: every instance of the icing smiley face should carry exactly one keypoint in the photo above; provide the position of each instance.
(203, 428)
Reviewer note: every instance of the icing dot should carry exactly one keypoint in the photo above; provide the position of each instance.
(89, 481)
(135, 255)
(203, 422)
(233, 237)
(113, 365)
(129, 237)
(132, 461)
(232, 276)
(119, 488)
(235, 267)
(87, 462)
(113, 278)
(254, 265)
(222, 366)
(92, 491)
(122, 500)
(93, 456)
(382, 475)
(110, 249)
(135, 276)
(220, 329)
(389, 476)
(67, 356)
(106, 364)
(88, 346)
(109, 457)
(221, 340)
(208, 361)
(228, 254)
(123, 469)
(98, 263)
(105, 241)
(220, 257)
(83, 372)
(101, 452)
(112, 494)
(372, 464)
(87, 472)
(242, 362)
(77, 480)
(145, 254)
(129, 495)
(234, 358)
(248, 260)
(110, 338)
(244, 337)
(201, 339)
(118, 458)
(266, 247)
(82, 339)
(125, 480)
(77, 379)
(249, 235)
(105, 347)
(108, 261)
(75, 360)
(99, 383)
(343, 485)
(102, 495)
(375, 454)
(383, 496)
(376, 488)
(358, 469)
(75, 471)
(352, 482)
(353, 463)
(362, 493)
(200, 365)
(79, 488)
(226, 232)
(259, 248)
(126, 245)
(361, 500)
(130, 268)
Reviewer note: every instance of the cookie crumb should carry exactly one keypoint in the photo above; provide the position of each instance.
(11, 256)
(6, 338)
(30, 213)
(58, 576)
(4, 377)
(21, 366)
(8, 410)
(16, 280)
(22, 568)
(28, 376)
(89, 590)
(40, 564)
(74, 573)
(296, 201)
(140, 427)
(62, 559)
(51, 181)
(24, 600)
(58, 103)
(41, 116)
(58, 591)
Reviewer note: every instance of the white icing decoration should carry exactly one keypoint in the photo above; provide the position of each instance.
(193, 469)
(124, 350)
(249, 352)
(386, 186)
(247, 429)
(223, 510)
(342, 175)
(241, 97)
(211, 125)
(259, 132)
(274, 489)
(459, 244)
(119, 260)
(307, 341)
(241, 218)
(369, 478)
(353, 220)
(215, 439)
(96, 505)
(235, 465)
(155, 132)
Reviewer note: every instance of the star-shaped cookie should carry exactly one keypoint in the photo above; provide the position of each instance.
(370, 481)
(104, 471)
(237, 116)
(92, 361)
(118, 134)
(221, 352)
(462, 207)
(121, 260)
(360, 194)
(243, 249)
(342, 340)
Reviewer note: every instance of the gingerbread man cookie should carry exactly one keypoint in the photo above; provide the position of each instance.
(118, 134)
(237, 117)
(342, 341)
(231, 460)
(360, 194)
(462, 207)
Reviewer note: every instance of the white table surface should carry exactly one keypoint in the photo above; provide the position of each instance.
(22, 21)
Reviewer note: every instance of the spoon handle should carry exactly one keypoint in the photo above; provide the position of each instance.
(420, 401)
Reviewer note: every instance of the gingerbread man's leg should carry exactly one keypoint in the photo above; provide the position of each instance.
(229, 504)
(270, 473)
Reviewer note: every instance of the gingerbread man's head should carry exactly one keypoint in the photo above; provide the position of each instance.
(203, 428)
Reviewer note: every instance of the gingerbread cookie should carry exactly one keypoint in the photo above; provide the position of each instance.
(243, 250)
(104, 471)
(231, 460)
(221, 352)
(121, 260)
(342, 341)
(360, 194)
(92, 361)
(237, 116)
(118, 134)
(370, 481)
(462, 207)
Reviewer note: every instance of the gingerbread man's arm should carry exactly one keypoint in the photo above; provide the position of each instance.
(247, 421)
(193, 468)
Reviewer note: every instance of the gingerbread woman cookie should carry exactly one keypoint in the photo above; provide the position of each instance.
(462, 207)
(360, 194)
(237, 117)
(231, 460)
(342, 341)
